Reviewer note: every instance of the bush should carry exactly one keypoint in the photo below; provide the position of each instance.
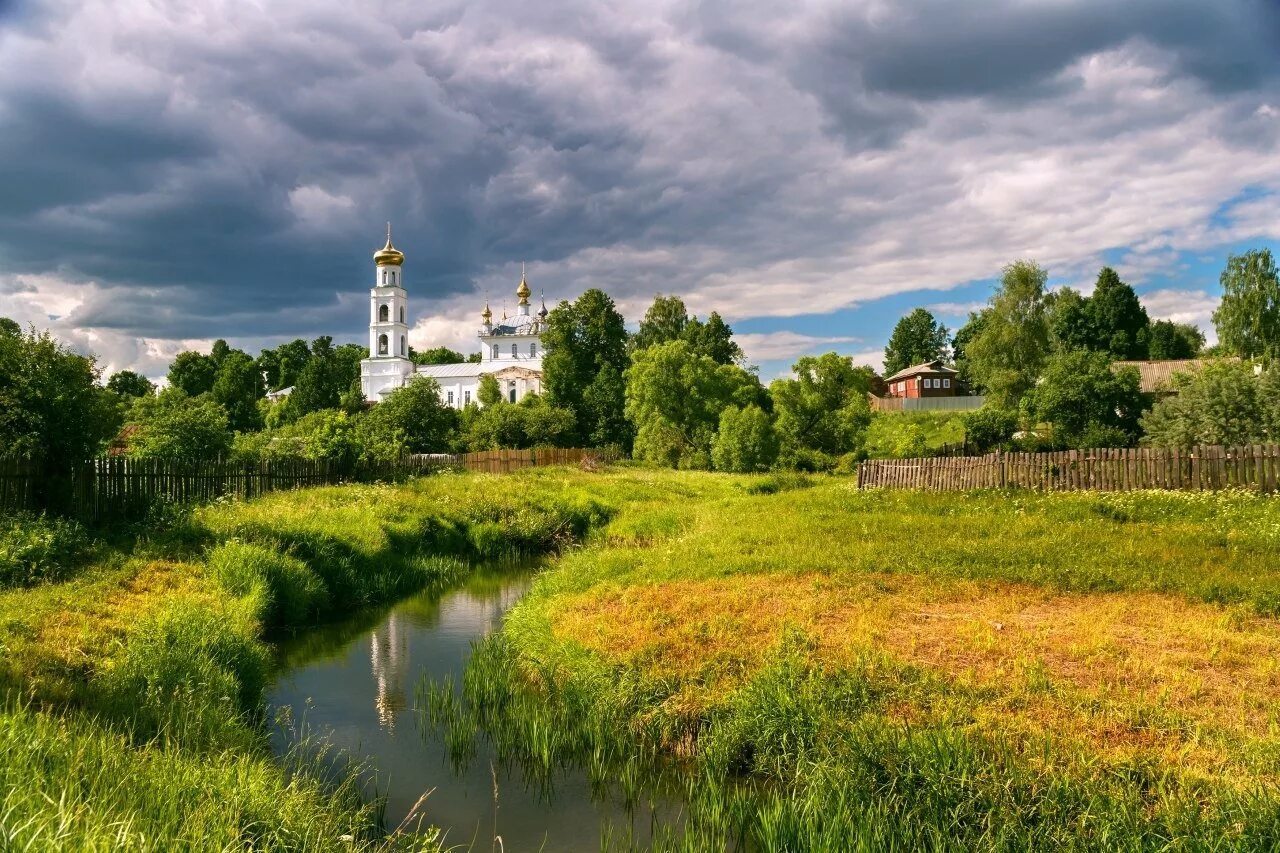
(36, 548)
(288, 592)
(745, 442)
(989, 428)
(905, 435)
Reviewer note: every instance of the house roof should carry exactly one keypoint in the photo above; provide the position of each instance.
(449, 371)
(1158, 375)
(935, 366)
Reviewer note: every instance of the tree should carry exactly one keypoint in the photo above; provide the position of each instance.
(674, 397)
(1169, 340)
(665, 321)
(237, 387)
(533, 422)
(9, 328)
(129, 384)
(1248, 319)
(174, 425)
(193, 373)
(988, 428)
(1067, 315)
(586, 348)
(1004, 358)
(917, 338)
(51, 406)
(1088, 404)
(415, 412)
(1223, 402)
(436, 355)
(745, 441)
(1116, 318)
(321, 382)
(668, 320)
(822, 413)
(489, 391)
(959, 348)
(283, 364)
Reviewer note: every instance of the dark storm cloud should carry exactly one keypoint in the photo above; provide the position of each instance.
(224, 170)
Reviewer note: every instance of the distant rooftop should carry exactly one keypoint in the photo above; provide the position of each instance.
(935, 366)
(1156, 376)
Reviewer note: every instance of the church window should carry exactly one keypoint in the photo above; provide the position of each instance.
(512, 391)
(382, 344)
(401, 313)
(404, 349)
(384, 314)
(495, 350)
(384, 276)
(515, 350)
(393, 276)
(466, 397)
(533, 350)
(450, 398)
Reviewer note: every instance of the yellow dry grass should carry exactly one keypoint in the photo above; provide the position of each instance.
(1196, 684)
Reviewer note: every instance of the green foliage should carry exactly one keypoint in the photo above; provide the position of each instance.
(960, 346)
(50, 403)
(327, 434)
(668, 320)
(283, 364)
(324, 379)
(1223, 402)
(237, 387)
(1005, 357)
(532, 422)
(1068, 318)
(284, 589)
(436, 355)
(917, 338)
(36, 549)
(127, 383)
(1248, 319)
(586, 353)
(1086, 401)
(9, 328)
(906, 435)
(1170, 340)
(1117, 320)
(175, 426)
(193, 373)
(745, 441)
(675, 396)
(823, 412)
(989, 428)
(489, 392)
(415, 412)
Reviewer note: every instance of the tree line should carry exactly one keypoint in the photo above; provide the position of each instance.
(677, 391)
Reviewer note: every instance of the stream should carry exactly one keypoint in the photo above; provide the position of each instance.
(351, 686)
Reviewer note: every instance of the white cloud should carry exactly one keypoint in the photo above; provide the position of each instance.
(1183, 306)
(771, 346)
(954, 310)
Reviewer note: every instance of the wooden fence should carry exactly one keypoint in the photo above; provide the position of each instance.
(117, 487)
(1116, 469)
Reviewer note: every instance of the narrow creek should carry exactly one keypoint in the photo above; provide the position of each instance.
(351, 687)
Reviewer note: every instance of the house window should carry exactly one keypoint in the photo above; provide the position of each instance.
(466, 397)
(533, 350)
(495, 350)
(946, 383)
(382, 344)
(515, 350)
(384, 314)
(512, 391)
(450, 398)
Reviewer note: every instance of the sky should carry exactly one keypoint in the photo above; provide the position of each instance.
(173, 173)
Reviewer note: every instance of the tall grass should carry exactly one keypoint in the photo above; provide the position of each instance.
(824, 669)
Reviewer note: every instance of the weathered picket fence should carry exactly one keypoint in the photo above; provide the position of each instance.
(1105, 469)
(118, 487)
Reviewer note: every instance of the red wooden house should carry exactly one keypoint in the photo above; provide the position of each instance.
(932, 379)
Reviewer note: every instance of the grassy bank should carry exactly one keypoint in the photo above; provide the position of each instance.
(132, 667)
(824, 669)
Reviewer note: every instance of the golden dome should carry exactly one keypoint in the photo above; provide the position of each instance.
(523, 290)
(388, 255)
(487, 315)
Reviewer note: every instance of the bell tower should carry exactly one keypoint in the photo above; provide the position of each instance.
(388, 364)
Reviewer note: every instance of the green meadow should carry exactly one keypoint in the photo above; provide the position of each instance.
(800, 664)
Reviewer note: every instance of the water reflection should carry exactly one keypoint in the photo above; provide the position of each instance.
(353, 685)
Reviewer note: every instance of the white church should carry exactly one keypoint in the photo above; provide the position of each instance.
(511, 349)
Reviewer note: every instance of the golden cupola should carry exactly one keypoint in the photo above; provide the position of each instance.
(523, 290)
(487, 315)
(388, 255)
